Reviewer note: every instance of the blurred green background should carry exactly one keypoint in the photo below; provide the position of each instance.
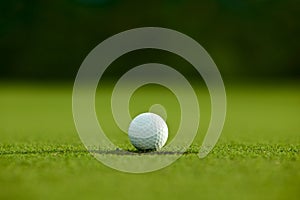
(50, 39)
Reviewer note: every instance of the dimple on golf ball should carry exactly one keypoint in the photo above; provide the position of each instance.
(148, 131)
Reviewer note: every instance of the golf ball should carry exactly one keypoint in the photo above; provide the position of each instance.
(148, 131)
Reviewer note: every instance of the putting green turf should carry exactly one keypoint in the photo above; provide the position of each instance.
(257, 156)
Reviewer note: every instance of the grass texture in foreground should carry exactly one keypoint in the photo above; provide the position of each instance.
(257, 157)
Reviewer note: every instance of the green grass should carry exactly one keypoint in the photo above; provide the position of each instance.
(257, 156)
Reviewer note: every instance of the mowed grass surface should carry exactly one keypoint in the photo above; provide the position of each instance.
(257, 156)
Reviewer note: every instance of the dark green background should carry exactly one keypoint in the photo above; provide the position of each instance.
(48, 39)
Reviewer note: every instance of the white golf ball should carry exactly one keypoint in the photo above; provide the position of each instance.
(148, 131)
